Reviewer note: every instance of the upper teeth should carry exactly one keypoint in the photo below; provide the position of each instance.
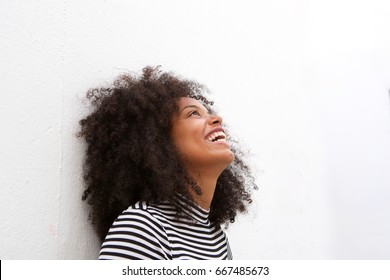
(215, 135)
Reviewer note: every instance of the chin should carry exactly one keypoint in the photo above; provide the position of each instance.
(228, 159)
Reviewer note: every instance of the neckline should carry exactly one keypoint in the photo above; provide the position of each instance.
(193, 209)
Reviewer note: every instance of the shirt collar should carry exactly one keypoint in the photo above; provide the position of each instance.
(192, 209)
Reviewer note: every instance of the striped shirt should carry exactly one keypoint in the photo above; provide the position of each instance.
(146, 231)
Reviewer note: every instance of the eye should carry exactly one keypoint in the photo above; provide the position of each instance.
(194, 113)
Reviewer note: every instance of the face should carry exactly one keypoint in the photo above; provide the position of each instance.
(199, 137)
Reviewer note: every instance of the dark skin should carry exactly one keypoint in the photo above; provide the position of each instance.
(133, 153)
(194, 133)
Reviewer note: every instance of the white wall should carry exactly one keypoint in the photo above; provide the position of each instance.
(303, 84)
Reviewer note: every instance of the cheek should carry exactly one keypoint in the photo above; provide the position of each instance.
(188, 144)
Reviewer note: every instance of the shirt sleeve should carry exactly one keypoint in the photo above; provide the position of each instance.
(136, 235)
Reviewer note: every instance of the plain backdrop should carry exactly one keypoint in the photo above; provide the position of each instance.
(303, 84)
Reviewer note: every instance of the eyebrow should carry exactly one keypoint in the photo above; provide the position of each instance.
(190, 106)
(197, 107)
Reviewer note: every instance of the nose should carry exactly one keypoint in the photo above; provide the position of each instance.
(215, 120)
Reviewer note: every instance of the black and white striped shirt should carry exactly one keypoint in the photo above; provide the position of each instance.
(146, 231)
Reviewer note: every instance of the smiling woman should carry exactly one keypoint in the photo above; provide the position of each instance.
(162, 174)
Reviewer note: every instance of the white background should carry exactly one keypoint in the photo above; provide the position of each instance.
(304, 85)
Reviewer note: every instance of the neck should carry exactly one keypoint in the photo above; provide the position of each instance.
(207, 184)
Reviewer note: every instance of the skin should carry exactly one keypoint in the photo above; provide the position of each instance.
(204, 160)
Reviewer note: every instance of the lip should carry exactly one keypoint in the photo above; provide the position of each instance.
(217, 129)
(218, 143)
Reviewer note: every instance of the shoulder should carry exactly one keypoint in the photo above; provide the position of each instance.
(156, 215)
(140, 213)
(137, 233)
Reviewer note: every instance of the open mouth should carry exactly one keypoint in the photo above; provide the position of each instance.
(217, 137)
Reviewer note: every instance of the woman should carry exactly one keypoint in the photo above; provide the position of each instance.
(160, 174)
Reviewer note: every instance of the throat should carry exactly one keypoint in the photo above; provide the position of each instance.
(207, 186)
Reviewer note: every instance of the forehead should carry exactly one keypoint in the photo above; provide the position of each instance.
(184, 102)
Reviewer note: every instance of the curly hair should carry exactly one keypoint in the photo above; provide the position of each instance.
(130, 153)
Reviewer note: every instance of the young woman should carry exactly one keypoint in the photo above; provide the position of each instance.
(161, 171)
